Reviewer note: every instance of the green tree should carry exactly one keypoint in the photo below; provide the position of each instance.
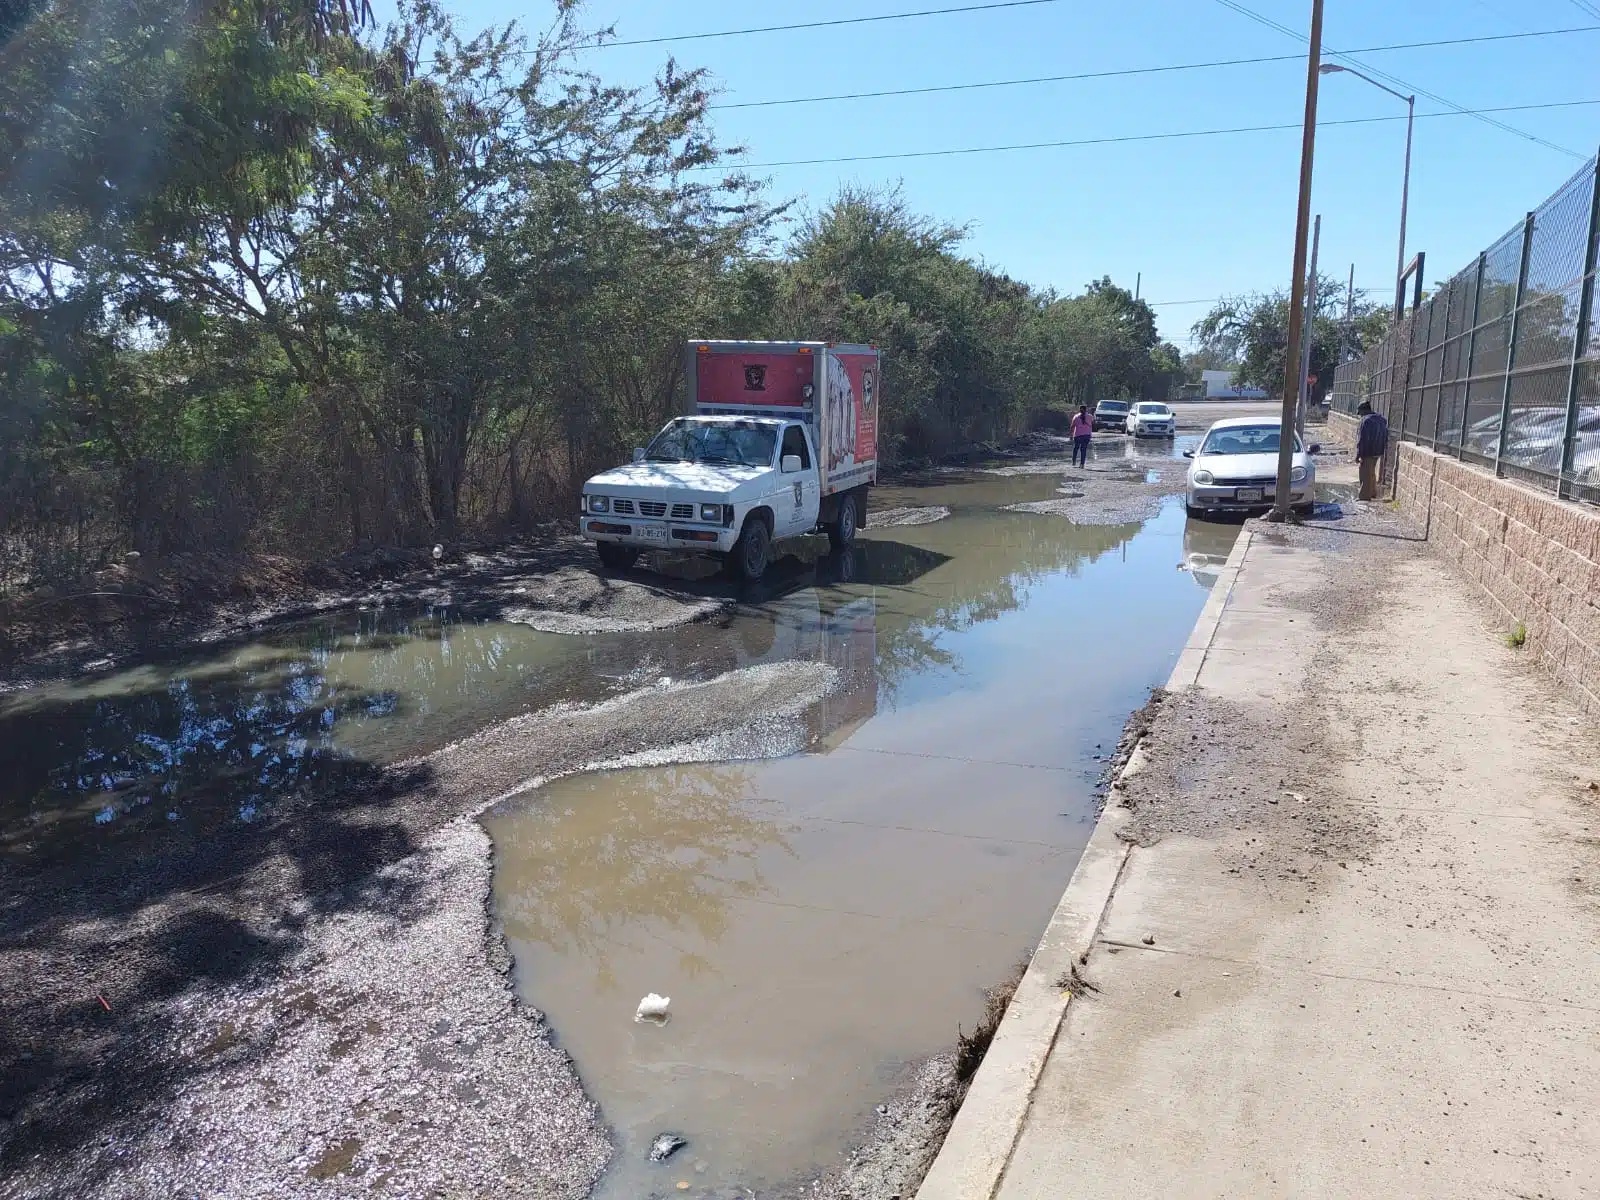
(1252, 332)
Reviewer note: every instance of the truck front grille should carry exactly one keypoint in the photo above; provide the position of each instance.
(653, 508)
(683, 512)
(622, 507)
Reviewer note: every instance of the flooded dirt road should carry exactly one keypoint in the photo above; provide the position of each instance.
(249, 903)
(824, 923)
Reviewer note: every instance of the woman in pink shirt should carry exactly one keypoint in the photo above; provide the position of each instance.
(1082, 431)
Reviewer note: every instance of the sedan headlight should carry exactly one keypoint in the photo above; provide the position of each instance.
(599, 503)
(1204, 478)
(711, 512)
(1297, 475)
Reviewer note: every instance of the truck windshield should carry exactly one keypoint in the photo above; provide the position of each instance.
(743, 443)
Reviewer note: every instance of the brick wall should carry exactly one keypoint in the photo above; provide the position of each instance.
(1343, 425)
(1537, 558)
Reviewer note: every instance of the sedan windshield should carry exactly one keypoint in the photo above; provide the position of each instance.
(1245, 439)
(742, 443)
(1154, 410)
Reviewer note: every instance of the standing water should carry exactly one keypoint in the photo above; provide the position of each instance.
(824, 923)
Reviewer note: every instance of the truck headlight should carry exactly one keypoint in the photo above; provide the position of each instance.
(1297, 475)
(599, 503)
(1203, 478)
(711, 513)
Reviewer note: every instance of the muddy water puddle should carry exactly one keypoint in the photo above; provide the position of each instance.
(824, 923)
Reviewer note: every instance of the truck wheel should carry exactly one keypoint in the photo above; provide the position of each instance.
(748, 559)
(842, 529)
(616, 557)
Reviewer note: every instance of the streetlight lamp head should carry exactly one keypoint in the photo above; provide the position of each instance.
(1329, 69)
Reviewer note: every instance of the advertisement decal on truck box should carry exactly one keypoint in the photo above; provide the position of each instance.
(850, 431)
(761, 380)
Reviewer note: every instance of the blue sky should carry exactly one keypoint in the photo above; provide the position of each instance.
(1198, 217)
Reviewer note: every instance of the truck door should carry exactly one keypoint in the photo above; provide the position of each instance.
(798, 507)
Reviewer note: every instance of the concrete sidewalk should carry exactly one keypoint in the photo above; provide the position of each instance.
(1340, 937)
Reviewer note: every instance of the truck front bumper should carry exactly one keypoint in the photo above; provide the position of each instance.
(655, 535)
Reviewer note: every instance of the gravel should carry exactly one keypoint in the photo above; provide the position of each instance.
(1120, 492)
(891, 517)
(319, 1004)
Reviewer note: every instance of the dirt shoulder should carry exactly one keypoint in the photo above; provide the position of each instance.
(143, 609)
(320, 1002)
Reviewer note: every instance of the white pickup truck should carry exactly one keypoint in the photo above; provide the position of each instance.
(780, 441)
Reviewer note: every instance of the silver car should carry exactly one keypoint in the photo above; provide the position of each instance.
(1235, 470)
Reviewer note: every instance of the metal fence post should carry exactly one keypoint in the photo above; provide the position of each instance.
(1569, 435)
(1472, 349)
(1511, 343)
(1397, 434)
(1438, 385)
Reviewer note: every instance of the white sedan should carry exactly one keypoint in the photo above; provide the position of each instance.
(1149, 419)
(1235, 470)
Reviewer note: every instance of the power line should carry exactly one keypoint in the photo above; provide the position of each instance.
(1479, 114)
(1586, 6)
(904, 16)
(1194, 66)
(1136, 137)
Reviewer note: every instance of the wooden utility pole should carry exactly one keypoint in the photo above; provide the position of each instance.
(1303, 397)
(1281, 502)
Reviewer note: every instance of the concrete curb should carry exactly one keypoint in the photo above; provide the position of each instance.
(973, 1158)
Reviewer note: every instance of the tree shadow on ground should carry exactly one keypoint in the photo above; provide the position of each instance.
(109, 927)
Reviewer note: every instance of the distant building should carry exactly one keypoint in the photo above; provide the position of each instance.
(1223, 385)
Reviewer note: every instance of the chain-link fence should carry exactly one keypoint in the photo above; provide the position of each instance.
(1501, 366)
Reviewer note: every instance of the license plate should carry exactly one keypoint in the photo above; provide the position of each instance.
(1248, 494)
(650, 533)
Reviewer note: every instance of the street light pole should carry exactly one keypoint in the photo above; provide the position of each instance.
(1405, 200)
(1405, 179)
(1282, 501)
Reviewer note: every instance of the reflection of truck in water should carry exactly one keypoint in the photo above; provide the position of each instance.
(824, 625)
(780, 441)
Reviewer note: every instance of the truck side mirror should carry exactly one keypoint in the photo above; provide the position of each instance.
(1188, 453)
(790, 464)
(1316, 448)
(638, 454)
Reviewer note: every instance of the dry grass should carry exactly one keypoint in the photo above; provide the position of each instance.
(971, 1047)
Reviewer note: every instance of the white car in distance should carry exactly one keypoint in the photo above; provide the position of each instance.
(1151, 419)
(1235, 470)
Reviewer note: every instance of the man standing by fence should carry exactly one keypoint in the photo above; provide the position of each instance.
(1372, 439)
